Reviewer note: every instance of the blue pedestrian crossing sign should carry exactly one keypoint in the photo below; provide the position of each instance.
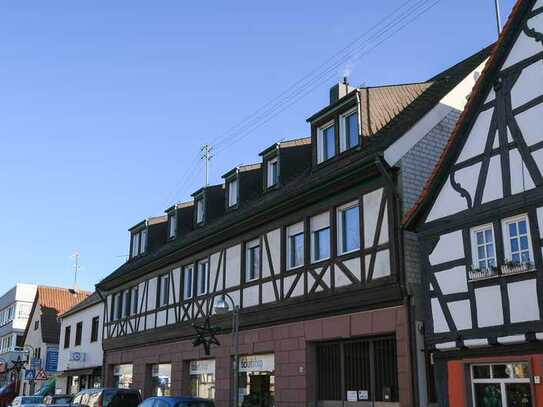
(30, 374)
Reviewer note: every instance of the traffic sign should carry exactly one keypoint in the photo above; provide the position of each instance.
(30, 374)
(41, 375)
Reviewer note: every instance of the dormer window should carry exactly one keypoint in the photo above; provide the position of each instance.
(349, 130)
(200, 208)
(172, 225)
(326, 142)
(232, 191)
(139, 242)
(272, 172)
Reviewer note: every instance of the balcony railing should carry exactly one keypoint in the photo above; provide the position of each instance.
(506, 269)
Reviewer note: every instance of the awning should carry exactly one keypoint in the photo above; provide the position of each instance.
(89, 371)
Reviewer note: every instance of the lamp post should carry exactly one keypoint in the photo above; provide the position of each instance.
(222, 307)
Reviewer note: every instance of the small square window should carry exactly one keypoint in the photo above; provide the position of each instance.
(326, 142)
(483, 247)
(203, 277)
(200, 210)
(348, 228)
(187, 282)
(252, 271)
(518, 248)
(232, 192)
(349, 130)
(172, 225)
(272, 172)
(295, 246)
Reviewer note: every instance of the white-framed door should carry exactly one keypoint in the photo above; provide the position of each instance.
(505, 384)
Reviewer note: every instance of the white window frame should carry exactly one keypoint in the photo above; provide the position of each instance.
(135, 244)
(172, 225)
(272, 181)
(143, 240)
(475, 245)
(506, 237)
(202, 290)
(248, 247)
(164, 281)
(343, 137)
(501, 381)
(292, 231)
(126, 298)
(200, 210)
(316, 225)
(233, 190)
(134, 300)
(188, 282)
(320, 141)
(339, 221)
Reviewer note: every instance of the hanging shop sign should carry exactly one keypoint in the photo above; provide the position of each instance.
(205, 366)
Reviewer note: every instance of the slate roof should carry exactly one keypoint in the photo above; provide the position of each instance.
(53, 301)
(394, 110)
(497, 56)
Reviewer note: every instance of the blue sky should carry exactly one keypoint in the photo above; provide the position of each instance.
(104, 105)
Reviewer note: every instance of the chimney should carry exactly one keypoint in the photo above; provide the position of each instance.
(340, 90)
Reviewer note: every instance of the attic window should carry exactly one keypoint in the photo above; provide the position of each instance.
(139, 242)
(326, 142)
(172, 225)
(348, 130)
(272, 172)
(200, 210)
(232, 185)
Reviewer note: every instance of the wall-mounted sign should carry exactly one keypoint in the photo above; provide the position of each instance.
(206, 366)
(30, 374)
(363, 395)
(51, 360)
(257, 363)
(41, 375)
(77, 356)
(35, 363)
(352, 395)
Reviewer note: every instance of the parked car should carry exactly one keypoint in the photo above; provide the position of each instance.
(107, 397)
(27, 401)
(170, 401)
(58, 400)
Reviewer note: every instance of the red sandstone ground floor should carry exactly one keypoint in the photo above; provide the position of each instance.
(361, 358)
(505, 378)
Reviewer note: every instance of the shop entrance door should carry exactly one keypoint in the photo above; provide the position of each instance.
(501, 385)
(257, 389)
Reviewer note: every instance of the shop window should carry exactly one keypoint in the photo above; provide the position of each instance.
(161, 379)
(360, 370)
(257, 380)
(501, 384)
(122, 376)
(202, 378)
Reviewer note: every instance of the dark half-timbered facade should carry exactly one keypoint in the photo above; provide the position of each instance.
(480, 222)
(307, 243)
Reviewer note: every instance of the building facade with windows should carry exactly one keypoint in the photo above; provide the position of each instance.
(80, 348)
(307, 244)
(42, 335)
(15, 308)
(480, 225)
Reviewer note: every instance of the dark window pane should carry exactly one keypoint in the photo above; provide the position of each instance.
(350, 229)
(481, 372)
(357, 367)
(351, 127)
(518, 395)
(386, 370)
(501, 371)
(487, 395)
(329, 372)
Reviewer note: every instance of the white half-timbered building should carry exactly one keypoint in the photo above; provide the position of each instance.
(307, 243)
(480, 224)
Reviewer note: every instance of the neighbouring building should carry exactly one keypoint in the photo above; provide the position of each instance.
(42, 335)
(15, 308)
(308, 244)
(80, 348)
(480, 226)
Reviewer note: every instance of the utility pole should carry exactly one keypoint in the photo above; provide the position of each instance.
(498, 16)
(207, 155)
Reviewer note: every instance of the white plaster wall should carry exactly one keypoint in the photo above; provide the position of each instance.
(528, 86)
(475, 144)
(489, 306)
(523, 304)
(453, 280)
(449, 247)
(250, 296)
(494, 186)
(440, 323)
(233, 266)
(353, 265)
(371, 203)
(524, 46)
(93, 350)
(461, 314)
(151, 293)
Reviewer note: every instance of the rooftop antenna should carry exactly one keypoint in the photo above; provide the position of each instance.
(207, 155)
(498, 17)
(76, 267)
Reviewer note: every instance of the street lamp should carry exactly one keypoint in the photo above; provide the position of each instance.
(221, 307)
